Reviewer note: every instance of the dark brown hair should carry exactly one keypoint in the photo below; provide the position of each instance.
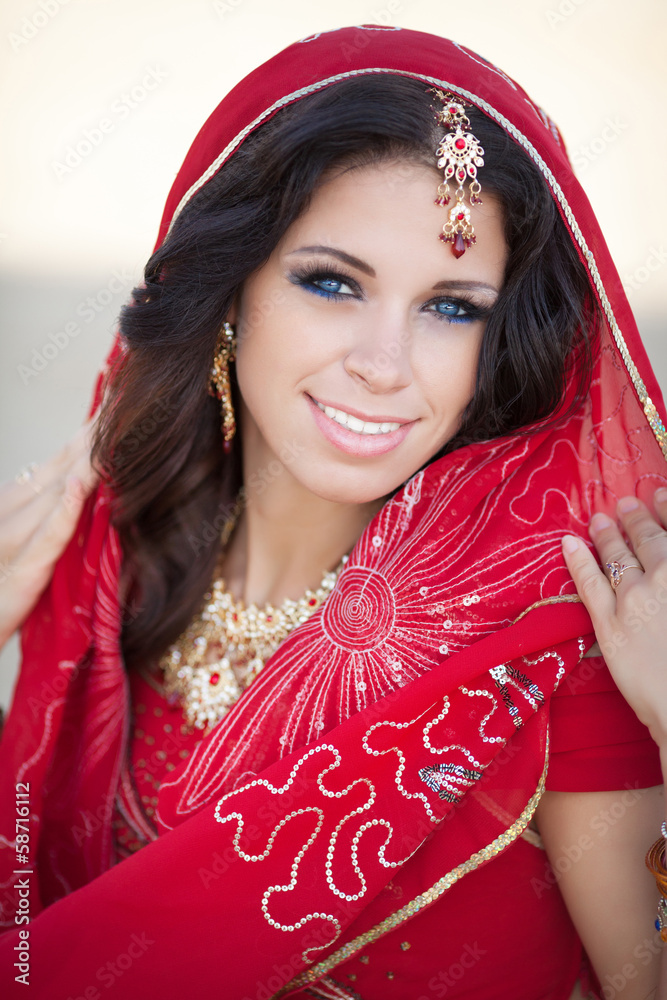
(159, 441)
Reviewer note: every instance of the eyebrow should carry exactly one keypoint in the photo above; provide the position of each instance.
(347, 258)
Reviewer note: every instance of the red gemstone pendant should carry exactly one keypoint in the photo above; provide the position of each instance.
(458, 246)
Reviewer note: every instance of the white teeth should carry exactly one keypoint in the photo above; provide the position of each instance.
(355, 424)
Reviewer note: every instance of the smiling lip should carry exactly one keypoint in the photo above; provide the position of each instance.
(354, 442)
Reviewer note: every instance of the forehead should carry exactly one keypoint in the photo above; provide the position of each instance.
(386, 212)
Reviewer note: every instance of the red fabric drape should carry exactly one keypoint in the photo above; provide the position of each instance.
(375, 732)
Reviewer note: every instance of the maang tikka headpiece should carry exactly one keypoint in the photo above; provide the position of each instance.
(459, 154)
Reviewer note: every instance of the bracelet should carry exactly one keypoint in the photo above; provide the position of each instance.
(655, 862)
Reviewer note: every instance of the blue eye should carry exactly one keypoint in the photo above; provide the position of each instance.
(328, 284)
(458, 310)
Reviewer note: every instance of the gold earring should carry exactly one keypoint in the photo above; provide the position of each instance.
(225, 351)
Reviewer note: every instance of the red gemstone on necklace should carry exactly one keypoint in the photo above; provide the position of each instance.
(460, 144)
(460, 216)
(453, 109)
(312, 602)
(214, 678)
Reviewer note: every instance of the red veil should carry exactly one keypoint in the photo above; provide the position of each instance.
(401, 734)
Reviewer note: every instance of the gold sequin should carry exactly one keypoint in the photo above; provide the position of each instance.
(158, 712)
(364, 959)
(150, 740)
(405, 946)
(656, 423)
(563, 599)
(140, 709)
(139, 733)
(390, 975)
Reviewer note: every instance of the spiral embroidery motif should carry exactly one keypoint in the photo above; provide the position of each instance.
(360, 612)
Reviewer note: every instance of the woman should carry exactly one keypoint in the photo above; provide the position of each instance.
(340, 802)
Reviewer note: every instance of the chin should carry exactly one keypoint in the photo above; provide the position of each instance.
(354, 487)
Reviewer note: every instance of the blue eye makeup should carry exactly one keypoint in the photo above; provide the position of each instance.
(458, 310)
(338, 286)
(329, 284)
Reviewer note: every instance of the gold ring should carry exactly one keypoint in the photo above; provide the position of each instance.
(616, 571)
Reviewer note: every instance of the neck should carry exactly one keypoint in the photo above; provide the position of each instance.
(286, 537)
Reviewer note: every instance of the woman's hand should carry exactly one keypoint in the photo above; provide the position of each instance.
(630, 621)
(38, 513)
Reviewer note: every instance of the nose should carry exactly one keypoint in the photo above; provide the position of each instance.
(380, 358)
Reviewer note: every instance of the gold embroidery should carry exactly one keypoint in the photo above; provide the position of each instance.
(425, 898)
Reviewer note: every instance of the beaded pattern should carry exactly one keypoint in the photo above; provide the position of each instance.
(426, 898)
(449, 781)
(453, 778)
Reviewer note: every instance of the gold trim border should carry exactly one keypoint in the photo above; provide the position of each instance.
(426, 898)
(650, 411)
(563, 599)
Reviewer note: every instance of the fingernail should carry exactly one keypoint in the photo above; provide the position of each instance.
(570, 544)
(661, 494)
(600, 521)
(627, 504)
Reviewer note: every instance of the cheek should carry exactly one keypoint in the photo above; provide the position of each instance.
(262, 341)
(449, 375)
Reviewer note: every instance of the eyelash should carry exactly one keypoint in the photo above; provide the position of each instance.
(307, 278)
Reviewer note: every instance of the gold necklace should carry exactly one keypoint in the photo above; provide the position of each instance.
(226, 645)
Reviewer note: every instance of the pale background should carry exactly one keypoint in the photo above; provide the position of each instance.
(597, 67)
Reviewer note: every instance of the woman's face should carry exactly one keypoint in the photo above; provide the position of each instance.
(358, 340)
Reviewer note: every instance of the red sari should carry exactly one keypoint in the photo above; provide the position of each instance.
(395, 747)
